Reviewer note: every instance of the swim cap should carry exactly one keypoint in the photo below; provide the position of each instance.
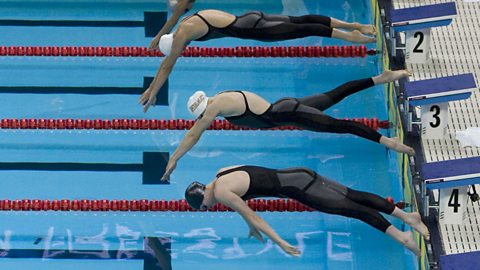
(194, 194)
(197, 103)
(171, 4)
(165, 44)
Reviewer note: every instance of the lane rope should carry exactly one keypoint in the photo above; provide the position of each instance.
(85, 205)
(239, 51)
(148, 124)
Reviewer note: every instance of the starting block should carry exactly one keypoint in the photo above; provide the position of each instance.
(452, 178)
(433, 96)
(417, 23)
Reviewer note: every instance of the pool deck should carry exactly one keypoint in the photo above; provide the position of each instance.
(454, 51)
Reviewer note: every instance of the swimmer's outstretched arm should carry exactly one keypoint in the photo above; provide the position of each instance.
(149, 97)
(192, 137)
(171, 22)
(232, 200)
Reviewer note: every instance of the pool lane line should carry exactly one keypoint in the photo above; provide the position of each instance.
(156, 254)
(152, 167)
(152, 22)
(145, 205)
(194, 51)
(149, 124)
(162, 96)
(142, 205)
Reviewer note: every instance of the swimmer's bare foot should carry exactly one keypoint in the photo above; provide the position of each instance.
(395, 144)
(409, 242)
(391, 76)
(357, 36)
(404, 238)
(415, 221)
(367, 29)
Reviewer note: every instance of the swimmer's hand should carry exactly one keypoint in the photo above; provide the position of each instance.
(147, 99)
(289, 249)
(255, 233)
(172, 164)
(154, 44)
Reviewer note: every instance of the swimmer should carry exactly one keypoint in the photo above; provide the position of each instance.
(248, 109)
(233, 185)
(178, 8)
(213, 24)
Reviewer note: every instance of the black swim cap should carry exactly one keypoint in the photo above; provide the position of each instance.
(194, 194)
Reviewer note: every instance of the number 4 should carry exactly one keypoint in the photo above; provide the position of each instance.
(453, 201)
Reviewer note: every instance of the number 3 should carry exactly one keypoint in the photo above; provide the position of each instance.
(436, 110)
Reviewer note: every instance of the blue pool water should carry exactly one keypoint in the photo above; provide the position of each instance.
(198, 240)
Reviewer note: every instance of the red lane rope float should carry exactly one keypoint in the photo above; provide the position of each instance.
(259, 205)
(239, 51)
(148, 124)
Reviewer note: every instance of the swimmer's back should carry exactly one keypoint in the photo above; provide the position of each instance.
(236, 102)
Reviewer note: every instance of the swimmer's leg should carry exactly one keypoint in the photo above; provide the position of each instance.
(322, 197)
(276, 18)
(289, 111)
(413, 220)
(354, 36)
(395, 144)
(366, 29)
(327, 21)
(381, 204)
(313, 19)
(305, 19)
(404, 238)
(390, 76)
(349, 208)
(279, 27)
(352, 87)
(279, 30)
(371, 200)
(326, 100)
(314, 120)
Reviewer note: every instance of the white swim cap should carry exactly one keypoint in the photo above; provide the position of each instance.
(197, 103)
(171, 4)
(165, 44)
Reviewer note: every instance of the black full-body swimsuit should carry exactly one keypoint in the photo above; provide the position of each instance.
(316, 191)
(307, 113)
(304, 112)
(259, 26)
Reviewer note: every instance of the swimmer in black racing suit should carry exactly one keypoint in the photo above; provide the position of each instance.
(213, 24)
(233, 185)
(250, 110)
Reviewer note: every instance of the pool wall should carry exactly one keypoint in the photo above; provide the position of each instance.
(395, 117)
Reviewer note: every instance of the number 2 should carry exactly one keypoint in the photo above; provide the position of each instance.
(416, 49)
